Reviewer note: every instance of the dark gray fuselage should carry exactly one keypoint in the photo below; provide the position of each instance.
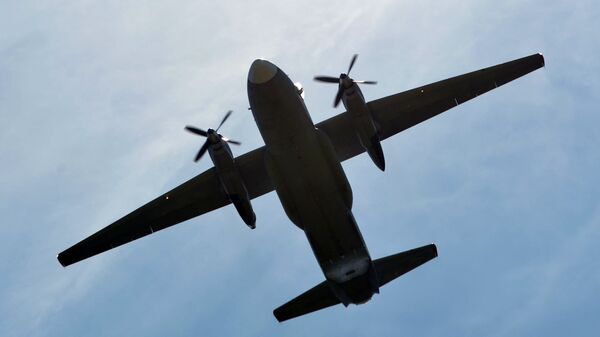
(310, 182)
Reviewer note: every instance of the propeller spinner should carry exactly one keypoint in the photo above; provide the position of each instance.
(344, 81)
(212, 136)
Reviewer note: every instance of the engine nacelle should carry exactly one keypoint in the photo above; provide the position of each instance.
(244, 208)
(232, 183)
(364, 125)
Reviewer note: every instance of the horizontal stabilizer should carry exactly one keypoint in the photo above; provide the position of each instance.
(317, 298)
(393, 266)
(387, 269)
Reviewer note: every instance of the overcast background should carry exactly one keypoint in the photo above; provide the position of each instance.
(94, 96)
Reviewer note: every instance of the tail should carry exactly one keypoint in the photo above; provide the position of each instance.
(388, 268)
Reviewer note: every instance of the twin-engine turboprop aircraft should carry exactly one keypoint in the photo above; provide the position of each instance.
(301, 161)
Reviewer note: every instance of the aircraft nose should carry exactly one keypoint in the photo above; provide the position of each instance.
(261, 71)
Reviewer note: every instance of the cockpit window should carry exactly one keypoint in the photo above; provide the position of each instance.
(300, 89)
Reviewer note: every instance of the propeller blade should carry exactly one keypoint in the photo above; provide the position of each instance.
(202, 151)
(352, 63)
(224, 119)
(338, 97)
(197, 131)
(327, 79)
(231, 141)
(366, 82)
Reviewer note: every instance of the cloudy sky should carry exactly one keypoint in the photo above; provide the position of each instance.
(93, 100)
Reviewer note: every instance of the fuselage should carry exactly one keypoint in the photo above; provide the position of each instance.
(310, 182)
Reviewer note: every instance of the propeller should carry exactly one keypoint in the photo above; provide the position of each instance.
(212, 137)
(344, 81)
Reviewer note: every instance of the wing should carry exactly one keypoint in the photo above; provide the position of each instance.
(197, 196)
(399, 112)
(204, 193)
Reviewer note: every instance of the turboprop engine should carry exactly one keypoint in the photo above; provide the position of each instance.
(362, 120)
(226, 168)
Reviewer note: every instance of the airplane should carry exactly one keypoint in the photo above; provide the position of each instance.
(301, 161)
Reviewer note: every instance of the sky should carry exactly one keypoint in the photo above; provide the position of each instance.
(93, 100)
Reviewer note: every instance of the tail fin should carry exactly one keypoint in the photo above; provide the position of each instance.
(388, 268)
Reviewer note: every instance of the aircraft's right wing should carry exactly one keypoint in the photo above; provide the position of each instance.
(196, 196)
(401, 111)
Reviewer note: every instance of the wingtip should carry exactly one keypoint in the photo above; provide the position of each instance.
(435, 250)
(278, 315)
(542, 59)
(61, 260)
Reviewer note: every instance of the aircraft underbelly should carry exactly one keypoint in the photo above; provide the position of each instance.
(321, 210)
(309, 180)
(311, 185)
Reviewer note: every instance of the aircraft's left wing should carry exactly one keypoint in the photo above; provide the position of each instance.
(197, 196)
(401, 111)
